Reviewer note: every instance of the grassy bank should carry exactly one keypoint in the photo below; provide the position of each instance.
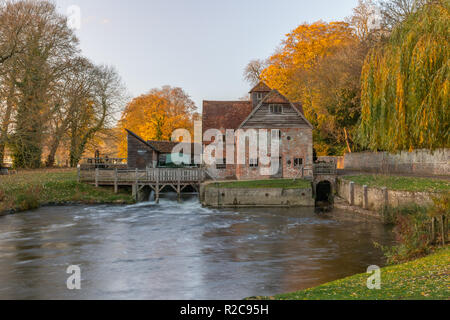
(263, 184)
(425, 278)
(31, 189)
(401, 183)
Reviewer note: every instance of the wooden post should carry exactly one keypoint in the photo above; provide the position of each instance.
(96, 177)
(352, 193)
(433, 230)
(386, 197)
(116, 186)
(365, 198)
(444, 230)
(179, 184)
(78, 173)
(134, 191)
(157, 187)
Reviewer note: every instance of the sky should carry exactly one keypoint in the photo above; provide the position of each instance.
(201, 46)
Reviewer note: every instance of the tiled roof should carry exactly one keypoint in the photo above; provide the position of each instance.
(139, 138)
(276, 97)
(225, 114)
(261, 87)
(299, 107)
(168, 146)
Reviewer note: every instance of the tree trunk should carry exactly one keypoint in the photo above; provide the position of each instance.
(55, 145)
(2, 154)
(347, 141)
(5, 123)
(53, 149)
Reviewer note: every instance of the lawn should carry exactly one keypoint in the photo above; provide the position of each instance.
(425, 278)
(263, 184)
(401, 183)
(31, 189)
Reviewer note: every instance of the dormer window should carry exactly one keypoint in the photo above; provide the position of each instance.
(276, 108)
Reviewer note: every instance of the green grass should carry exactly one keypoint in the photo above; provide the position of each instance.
(422, 279)
(31, 189)
(401, 183)
(262, 184)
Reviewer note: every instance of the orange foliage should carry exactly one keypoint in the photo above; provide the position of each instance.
(154, 116)
(300, 52)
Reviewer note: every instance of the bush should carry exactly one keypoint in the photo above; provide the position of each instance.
(414, 230)
(29, 199)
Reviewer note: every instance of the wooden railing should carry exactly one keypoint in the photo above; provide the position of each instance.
(149, 176)
(104, 163)
(325, 169)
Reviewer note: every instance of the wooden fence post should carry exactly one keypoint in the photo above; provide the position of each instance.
(157, 187)
(96, 177)
(433, 230)
(78, 174)
(178, 173)
(116, 187)
(444, 230)
(386, 197)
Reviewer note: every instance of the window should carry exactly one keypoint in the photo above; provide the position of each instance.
(221, 164)
(259, 96)
(276, 108)
(162, 160)
(254, 163)
(298, 162)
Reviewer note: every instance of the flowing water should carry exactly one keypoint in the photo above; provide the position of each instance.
(180, 251)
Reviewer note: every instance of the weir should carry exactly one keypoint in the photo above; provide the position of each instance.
(144, 182)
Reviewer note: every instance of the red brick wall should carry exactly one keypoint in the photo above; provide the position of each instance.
(295, 143)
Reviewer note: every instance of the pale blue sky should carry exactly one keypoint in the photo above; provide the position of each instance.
(202, 46)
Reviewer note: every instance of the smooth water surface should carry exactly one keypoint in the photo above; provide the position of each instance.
(180, 251)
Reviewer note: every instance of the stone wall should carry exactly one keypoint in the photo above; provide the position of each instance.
(339, 161)
(376, 199)
(245, 197)
(417, 162)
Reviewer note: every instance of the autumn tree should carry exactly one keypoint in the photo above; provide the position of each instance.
(70, 96)
(405, 93)
(319, 65)
(51, 99)
(155, 115)
(47, 46)
(96, 110)
(13, 23)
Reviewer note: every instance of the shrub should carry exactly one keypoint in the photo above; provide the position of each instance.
(29, 199)
(414, 231)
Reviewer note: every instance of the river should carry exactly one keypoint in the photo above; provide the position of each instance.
(180, 251)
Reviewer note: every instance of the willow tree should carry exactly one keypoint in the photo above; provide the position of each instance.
(405, 85)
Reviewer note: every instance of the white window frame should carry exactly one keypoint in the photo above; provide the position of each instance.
(298, 165)
(276, 108)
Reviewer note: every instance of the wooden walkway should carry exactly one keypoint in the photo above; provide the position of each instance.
(157, 179)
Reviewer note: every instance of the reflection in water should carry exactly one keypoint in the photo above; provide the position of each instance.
(180, 251)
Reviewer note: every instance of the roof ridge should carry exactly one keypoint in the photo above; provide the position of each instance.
(228, 101)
